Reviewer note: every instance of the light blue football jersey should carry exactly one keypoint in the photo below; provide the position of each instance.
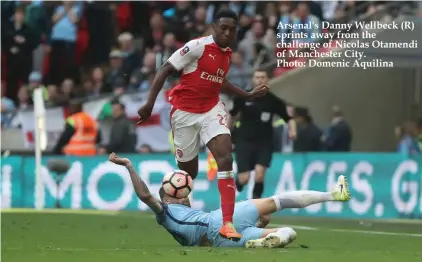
(185, 224)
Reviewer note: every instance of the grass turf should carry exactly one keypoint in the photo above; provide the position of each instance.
(131, 236)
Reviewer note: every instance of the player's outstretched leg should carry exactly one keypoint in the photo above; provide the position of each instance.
(279, 239)
(304, 198)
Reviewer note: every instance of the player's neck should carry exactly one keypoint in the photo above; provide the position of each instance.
(222, 48)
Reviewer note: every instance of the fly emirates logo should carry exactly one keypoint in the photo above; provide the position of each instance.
(214, 78)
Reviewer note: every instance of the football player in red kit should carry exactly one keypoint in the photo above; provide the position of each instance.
(197, 113)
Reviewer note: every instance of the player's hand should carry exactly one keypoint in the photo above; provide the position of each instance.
(259, 91)
(119, 161)
(144, 112)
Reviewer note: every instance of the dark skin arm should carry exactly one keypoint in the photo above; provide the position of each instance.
(231, 89)
(157, 84)
(167, 69)
(139, 185)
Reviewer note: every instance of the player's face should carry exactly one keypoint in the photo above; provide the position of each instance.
(225, 31)
(260, 78)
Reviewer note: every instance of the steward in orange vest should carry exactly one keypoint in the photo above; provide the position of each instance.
(212, 167)
(80, 135)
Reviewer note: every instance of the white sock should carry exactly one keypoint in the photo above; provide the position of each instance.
(300, 199)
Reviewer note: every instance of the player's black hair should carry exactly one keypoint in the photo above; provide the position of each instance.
(225, 13)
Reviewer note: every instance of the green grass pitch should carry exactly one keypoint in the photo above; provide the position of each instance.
(63, 235)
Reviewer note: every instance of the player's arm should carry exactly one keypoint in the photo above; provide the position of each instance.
(139, 185)
(280, 108)
(176, 62)
(231, 89)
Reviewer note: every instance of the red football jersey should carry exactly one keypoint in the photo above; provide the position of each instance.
(204, 66)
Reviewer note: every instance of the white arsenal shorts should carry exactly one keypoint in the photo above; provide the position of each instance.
(189, 129)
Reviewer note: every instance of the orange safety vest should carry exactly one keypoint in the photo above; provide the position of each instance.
(212, 167)
(84, 139)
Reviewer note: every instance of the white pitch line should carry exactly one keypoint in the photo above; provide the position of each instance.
(78, 249)
(294, 226)
(349, 230)
(376, 232)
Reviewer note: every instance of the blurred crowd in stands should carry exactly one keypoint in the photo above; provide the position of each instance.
(78, 49)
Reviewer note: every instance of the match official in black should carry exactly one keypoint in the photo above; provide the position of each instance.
(253, 134)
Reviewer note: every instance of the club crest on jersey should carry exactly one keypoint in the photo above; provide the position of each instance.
(184, 50)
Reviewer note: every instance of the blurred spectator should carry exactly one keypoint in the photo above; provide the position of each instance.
(132, 57)
(55, 98)
(145, 149)
(7, 107)
(99, 22)
(63, 39)
(243, 26)
(152, 40)
(169, 47)
(271, 14)
(407, 134)
(68, 89)
(80, 135)
(338, 137)
(146, 84)
(301, 15)
(257, 34)
(248, 8)
(261, 55)
(36, 16)
(315, 9)
(181, 20)
(239, 72)
(122, 134)
(88, 89)
(141, 74)
(309, 136)
(119, 87)
(97, 78)
(35, 81)
(328, 9)
(18, 42)
(24, 99)
(284, 8)
(116, 68)
(200, 24)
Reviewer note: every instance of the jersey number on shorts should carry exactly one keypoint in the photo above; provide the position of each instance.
(222, 120)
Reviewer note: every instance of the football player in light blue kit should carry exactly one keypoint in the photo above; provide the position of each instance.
(192, 227)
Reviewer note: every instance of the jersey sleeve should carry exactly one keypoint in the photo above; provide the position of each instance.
(192, 51)
(279, 107)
